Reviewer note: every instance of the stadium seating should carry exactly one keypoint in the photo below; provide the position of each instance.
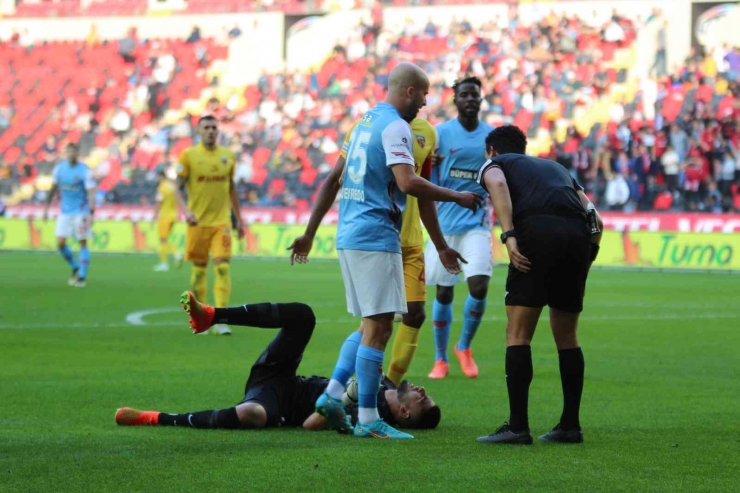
(100, 81)
(74, 8)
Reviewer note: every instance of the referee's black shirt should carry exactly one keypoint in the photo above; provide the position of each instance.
(537, 186)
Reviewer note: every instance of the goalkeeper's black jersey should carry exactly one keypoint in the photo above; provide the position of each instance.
(308, 389)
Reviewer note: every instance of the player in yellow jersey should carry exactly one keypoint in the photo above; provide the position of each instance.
(166, 217)
(206, 170)
(412, 244)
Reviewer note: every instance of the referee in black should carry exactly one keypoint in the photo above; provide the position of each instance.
(552, 233)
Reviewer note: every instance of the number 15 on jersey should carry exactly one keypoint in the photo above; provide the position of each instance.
(357, 156)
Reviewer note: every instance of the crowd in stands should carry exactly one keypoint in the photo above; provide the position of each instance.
(672, 143)
(72, 8)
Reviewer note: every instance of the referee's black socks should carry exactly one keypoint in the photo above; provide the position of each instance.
(518, 377)
(572, 367)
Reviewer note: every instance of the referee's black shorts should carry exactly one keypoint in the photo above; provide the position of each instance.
(559, 249)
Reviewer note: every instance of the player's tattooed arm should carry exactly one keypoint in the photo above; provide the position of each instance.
(182, 183)
(449, 257)
(49, 199)
(234, 197)
(301, 246)
(408, 182)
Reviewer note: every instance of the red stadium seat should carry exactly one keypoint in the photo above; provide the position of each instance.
(523, 120)
(12, 155)
(308, 176)
(277, 186)
(663, 202)
(260, 157)
(259, 176)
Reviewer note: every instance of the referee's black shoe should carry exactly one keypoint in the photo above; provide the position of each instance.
(506, 435)
(560, 435)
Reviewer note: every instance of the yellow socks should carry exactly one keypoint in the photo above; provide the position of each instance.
(404, 349)
(222, 286)
(198, 282)
(164, 248)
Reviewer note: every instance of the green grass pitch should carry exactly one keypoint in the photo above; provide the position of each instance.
(660, 407)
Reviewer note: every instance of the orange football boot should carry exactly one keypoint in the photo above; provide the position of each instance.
(201, 315)
(440, 370)
(131, 417)
(467, 363)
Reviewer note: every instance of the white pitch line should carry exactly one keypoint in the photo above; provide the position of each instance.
(137, 318)
(349, 320)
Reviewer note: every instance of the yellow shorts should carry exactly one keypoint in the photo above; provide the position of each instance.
(165, 228)
(413, 273)
(202, 240)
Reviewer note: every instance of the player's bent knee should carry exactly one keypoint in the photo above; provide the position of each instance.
(221, 260)
(251, 415)
(83, 243)
(61, 242)
(306, 315)
(478, 286)
(415, 317)
(445, 294)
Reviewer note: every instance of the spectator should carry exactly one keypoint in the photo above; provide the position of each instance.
(126, 47)
(4, 118)
(235, 32)
(642, 165)
(617, 192)
(732, 59)
(725, 169)
(694, 178)
(120, 122)
(679, 141)
(713, 201)
(92, 39)
(194, 36)
(671, 165)
(244, 168)
(660, 66)
(613, 33)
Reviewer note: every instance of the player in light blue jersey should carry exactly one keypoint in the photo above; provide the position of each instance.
(76, 186)
(378, 171)
(461, 150)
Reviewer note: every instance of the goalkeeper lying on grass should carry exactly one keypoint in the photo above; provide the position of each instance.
(274, 395)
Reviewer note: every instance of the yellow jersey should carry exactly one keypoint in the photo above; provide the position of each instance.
(425, 141)
(209, 175)
(167, 201)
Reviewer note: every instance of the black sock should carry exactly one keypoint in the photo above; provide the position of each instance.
(266, 315)
(572, 367)
(221, 418)
(518, 377)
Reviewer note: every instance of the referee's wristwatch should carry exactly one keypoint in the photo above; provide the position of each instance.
(506, 235)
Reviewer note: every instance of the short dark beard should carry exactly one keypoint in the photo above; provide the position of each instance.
(403, 388)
